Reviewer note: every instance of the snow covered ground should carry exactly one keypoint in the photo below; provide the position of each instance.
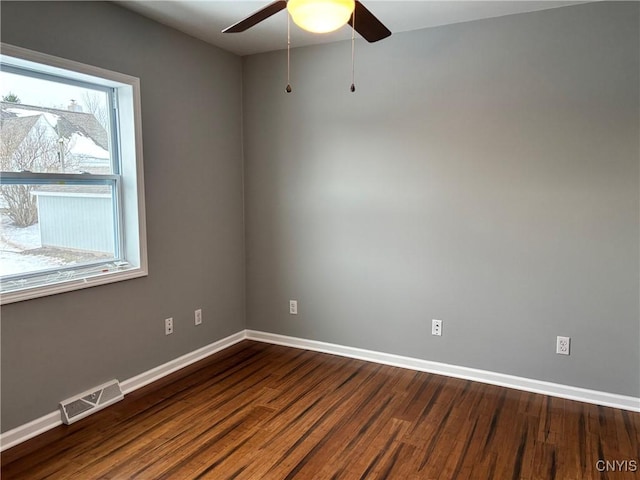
(15, 243)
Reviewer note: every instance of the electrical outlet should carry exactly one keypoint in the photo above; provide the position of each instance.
(198, 316)
(293, 307)
(168, 326)
(436, 327)
(562, 345)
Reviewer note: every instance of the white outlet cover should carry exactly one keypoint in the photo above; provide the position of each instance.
(436, 327)
(563, 345)
(293, 307)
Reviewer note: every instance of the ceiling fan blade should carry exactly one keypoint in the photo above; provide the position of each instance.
(257, 17)
(368, 25)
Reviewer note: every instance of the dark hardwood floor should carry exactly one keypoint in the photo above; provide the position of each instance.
(258, 411)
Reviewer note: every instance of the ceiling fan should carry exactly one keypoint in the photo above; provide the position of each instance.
(320, 16)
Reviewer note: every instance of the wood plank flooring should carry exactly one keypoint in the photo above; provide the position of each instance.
(258, 411)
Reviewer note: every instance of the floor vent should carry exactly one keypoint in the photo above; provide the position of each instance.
(84, 404)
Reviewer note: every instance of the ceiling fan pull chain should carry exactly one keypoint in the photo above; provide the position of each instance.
(353, 53)
(288, 89)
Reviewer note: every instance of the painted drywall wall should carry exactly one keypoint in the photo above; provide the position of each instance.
(485, 174)
(58, 346)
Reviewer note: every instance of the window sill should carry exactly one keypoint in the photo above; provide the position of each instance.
(28, 293)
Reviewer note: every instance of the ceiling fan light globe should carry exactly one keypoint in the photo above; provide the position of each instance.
(320, 16)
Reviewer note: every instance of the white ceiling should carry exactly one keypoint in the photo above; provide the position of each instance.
(204, 19)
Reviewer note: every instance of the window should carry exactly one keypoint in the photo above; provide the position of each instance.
(71, 189)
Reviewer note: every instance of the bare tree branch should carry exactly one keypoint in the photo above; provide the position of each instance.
(95, 104)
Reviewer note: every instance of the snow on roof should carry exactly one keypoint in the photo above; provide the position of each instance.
(85, 146)
(51, 118)
(21, 112)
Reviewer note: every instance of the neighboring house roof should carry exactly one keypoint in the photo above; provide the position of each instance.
(70, 122)
(13, 130)
(17, 120)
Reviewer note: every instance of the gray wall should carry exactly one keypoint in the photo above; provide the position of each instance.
(485, 174)
(57, 346)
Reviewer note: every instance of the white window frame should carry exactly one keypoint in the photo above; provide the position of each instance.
(133, 261)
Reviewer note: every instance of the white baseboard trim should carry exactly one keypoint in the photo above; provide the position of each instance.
(51, 420)
(145, 378)
(29, 430)
(483, 376)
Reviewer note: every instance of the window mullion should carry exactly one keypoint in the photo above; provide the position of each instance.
(13, 178)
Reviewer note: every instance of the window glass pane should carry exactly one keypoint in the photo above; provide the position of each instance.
(47, 126)
(55, 226)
